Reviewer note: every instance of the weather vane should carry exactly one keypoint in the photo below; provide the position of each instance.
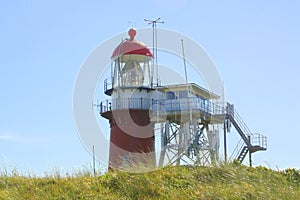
(132, 24)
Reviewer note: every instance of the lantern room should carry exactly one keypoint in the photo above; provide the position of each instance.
(131, 64)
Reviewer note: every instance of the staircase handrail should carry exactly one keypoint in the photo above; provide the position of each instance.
(238, 148)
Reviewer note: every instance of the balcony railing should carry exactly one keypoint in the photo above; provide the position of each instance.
(166, 105)
(108, 84)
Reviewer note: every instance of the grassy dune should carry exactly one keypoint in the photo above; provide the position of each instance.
(227, 181)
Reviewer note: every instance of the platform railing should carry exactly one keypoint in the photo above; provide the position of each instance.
(125, 103)
(167, 106)
(109, 85)
(259, 140)
(190, 104)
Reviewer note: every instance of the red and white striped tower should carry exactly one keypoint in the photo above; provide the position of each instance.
(131, 91)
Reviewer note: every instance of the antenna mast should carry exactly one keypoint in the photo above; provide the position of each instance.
(184, 62)
(188, 87)
(154, 40)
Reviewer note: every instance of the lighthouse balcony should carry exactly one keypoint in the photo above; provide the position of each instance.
(166, 107)
(109, 86)
(125, 103)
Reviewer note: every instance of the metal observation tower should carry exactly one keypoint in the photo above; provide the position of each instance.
(160, 125)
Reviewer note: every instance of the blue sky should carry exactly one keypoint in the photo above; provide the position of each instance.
(255, 46)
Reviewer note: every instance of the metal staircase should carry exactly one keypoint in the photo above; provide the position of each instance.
(252, 141)
(243, 154)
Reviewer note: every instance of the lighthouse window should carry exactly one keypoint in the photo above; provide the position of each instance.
(183, 94)
(132, 73)
(170, 95)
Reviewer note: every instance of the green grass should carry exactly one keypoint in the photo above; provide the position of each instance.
(227, 181)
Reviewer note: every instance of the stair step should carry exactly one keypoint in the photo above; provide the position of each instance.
(243, 154)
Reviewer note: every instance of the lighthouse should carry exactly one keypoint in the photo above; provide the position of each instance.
(183, 120)
(131, 89)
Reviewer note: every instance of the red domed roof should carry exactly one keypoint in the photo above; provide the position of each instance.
(131, 46)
